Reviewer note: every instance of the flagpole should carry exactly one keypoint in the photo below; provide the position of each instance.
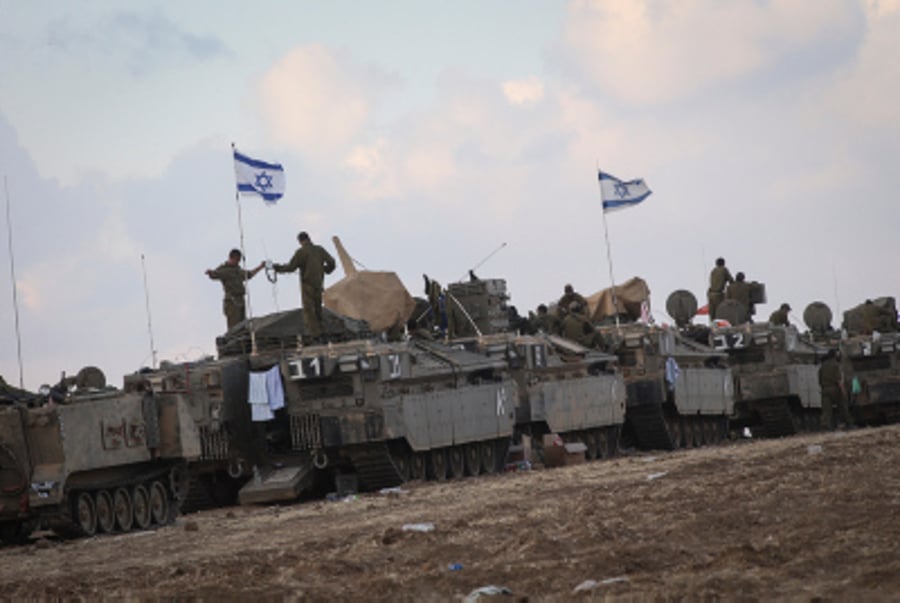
(12, 273)
(608, 250)
(237, 201)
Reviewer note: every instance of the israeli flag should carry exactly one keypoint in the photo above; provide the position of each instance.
(255, 177)
(617, 194)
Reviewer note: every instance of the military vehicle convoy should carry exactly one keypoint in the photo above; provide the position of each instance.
(92, 460)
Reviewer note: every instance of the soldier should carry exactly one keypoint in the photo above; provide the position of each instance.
(545, 322)
(718, 278)
(233, 276)
(831, 382)
(780, 316)
(565, 302)
(739, 291)
(578, 328)
(314, 263)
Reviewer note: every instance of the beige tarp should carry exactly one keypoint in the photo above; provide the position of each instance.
(379, 298)
(629, 294)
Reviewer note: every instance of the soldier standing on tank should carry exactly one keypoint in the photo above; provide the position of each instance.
(233, 276)
(718, 278)
(739, 291)
(565, 302)
(831, 382)
(780, 316)
(314, 263)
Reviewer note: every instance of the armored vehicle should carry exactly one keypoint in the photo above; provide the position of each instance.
(385, 412)
(870, 356)
(678, 391)
(94, 460)
(776, 380)
(563, 388)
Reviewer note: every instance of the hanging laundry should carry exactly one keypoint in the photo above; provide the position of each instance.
(672, 372)
(274, 388)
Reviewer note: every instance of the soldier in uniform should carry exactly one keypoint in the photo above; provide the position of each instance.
(232, 277)
(739, 291)
(831, 382)
(718, 278)
(545, 322)
(578, 328)
(780, 316)
(565, 302)
(314, 263)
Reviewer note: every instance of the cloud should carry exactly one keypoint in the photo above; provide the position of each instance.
(318, 101)
(143, 42)
(658, 52)
(523, 92)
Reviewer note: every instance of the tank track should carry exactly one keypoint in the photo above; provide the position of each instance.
(648, 424)
(775, 418)
(374, 466)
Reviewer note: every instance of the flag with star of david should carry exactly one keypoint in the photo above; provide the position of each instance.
(255, 177)
(619, 194)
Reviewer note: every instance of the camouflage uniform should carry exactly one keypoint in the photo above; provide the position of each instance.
(314, 263)
(740, 291)
(576, 327)
(779, 317)
(830, 379)
(718, 278)
(548, 323)
(562, 306)
(232, 277)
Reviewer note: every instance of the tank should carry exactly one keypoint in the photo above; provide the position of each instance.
(95, 460)
(776, 377)
(679, 392)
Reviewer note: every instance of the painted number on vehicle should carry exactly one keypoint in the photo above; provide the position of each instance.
(311, 367)
(729, 341)
(394, 365)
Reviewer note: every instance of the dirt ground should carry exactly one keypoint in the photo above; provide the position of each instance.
(803, 518)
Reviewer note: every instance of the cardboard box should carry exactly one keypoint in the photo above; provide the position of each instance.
(559, 454)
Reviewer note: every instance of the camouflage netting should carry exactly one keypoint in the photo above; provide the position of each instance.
(629, 295)
(379, 298)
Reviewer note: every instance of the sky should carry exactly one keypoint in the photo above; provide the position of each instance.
(426, 135)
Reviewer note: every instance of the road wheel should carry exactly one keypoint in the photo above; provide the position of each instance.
(86, 514)
(418, 466)
(438, 464)
(106, 517)
(457, 463)
(141, 501)
(123, 509)
(488, 457)
(473, 459)
(159, 503)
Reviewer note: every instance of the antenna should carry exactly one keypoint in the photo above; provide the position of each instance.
(481, 263)
(12, 273)
(149, 321)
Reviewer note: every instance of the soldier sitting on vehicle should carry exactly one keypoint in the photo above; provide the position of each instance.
(578, 328)
(780, 316)
(569, 297)
(544, 322)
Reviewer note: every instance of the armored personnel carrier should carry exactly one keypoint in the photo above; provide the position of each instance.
(870, 356)
(385, 412)
(93, 460)
(564, 388)
(776, 383)
(678, 391)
